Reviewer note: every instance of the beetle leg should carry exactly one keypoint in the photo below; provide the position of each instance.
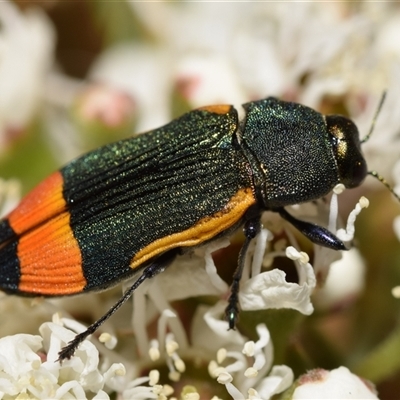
(317, 234)
(251, 229)
(150, 271)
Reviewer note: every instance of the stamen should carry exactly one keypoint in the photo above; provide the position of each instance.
(221, 355)
(162, 326)
(253, 394)
(396, 292)
(224, 377)
(234, 392)
(173, 374)
(339, 188)
(261, 351)
(213, 368)
(189, 392)
(110, 341)
(249, 348)
(296, 255)
(171, 346)
(154, 350)
(157, 389)
(348, 233)
(168, 390)
(334, 207)
(259, 251)
(251, 372)
(179, 363)
(56, 318)
(154, 376)
(210, 267)
(396, 227)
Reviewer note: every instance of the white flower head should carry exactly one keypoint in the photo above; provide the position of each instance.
(144, 72)
(245, 372)
(105, 106)
(271, 290)
(208, 79)
(26, 53)
(10, 193)
(345, 281)
(28, 366)
(192, 275)
(339, 383)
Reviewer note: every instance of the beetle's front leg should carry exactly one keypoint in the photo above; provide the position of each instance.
(317, 234)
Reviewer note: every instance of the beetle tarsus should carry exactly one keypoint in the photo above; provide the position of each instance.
(68, 351)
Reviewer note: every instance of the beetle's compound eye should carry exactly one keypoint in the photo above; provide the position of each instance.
(346, 145)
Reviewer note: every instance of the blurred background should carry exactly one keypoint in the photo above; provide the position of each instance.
(76, 75)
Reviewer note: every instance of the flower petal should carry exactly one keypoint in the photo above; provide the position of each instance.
(271, 290)
(339, 383)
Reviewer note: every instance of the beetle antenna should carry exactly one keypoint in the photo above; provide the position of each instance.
(374, 173)
(385, 182)
(378, 110)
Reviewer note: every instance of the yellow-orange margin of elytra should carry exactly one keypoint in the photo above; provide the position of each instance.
(204, 230)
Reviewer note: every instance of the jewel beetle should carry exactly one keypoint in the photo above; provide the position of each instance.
(132, 206)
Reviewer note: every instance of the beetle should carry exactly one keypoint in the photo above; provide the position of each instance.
(134, 205)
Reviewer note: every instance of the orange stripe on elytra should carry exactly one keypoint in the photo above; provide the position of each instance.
(204, 230)
(50, 259)
(217, 109)
(38, 206)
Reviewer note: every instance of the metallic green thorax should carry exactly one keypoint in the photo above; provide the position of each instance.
(291, 153)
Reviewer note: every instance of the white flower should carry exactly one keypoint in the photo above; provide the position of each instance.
(144, 72)
(210, 330)
(186, 278)
(382, 150)
(105, 105)
(271, 290)
(10, 193)
(338, 384)
(396, 292)
(244, 372)
(25, 369)
(26, 53)
(208, 79)
(345, 281)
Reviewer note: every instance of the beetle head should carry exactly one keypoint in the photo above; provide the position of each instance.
(345, 140)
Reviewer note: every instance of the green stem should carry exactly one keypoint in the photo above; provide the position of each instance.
(381, 362)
